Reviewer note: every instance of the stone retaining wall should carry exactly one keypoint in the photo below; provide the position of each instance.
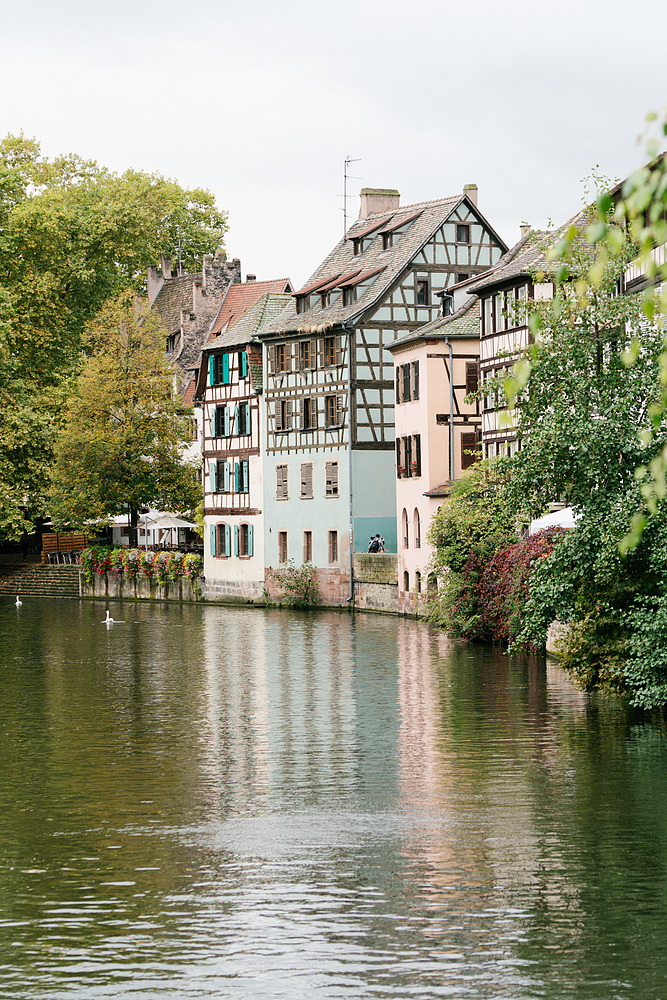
(141, 588)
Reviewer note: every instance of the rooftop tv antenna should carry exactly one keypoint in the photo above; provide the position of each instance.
(346, 176)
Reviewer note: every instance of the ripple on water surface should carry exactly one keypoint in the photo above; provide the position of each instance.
(217, 802)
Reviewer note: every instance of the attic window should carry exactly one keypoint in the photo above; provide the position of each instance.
(462, 277)
(349, 295)
(357, 246)
(463, 233)
(423, 292)
(302, 303)
(387, 241)
(172, 341)
(324, 299)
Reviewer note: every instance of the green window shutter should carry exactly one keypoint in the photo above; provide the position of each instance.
(211, 369)
(226, 476)
(250, 539)
(236, 419)
(213, 476)
(228, 539)
(212, 538)
(214, 422)
(225, 369)
(236, 539)
(244, 364)
(227, 422)
(236, 477)
(246, 475)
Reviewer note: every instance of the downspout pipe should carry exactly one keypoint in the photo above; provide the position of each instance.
(451, 410)
(350, 336)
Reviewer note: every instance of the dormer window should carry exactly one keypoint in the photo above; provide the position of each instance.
(463, 233)
(302, 303)
(171, 343)
(387, 241)
(357, 246)
(349, 295)
(324, 299)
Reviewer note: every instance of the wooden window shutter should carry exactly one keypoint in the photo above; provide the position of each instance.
(211, 370)
(407, 444)
(225, 369)
(288, 415)
(288, 357)
(213, 476)
(278, 411)
(415, 380)
(227, 421)
(212, 533)
(251, 540)
(271, 351)
(302, 413)
(398, 384)
(338, 351)
(245, 470)
(468, 443)
(398, 458)
(306, 480)
(313, 354)
(334, 478)
(228, 539)
(339, 411)
(226, 477)
(236, 539)
(472, 377)
(214, 422)
(417, 454)
(243, 363)
(406, 382)
(321, 361)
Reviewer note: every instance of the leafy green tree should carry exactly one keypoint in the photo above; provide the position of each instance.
(124, 429)
(72, 234)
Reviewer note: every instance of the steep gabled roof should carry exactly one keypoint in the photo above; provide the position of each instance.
(241, 297)
(463, 323)
(175, 296)
(383, 266)
(529, 255)
(252, 322)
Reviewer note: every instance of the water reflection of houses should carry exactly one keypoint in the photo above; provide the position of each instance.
(280, 707)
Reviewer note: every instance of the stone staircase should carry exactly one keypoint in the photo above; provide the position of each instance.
(40, 581)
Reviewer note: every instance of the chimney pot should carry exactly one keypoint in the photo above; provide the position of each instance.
(165, 266)
(472, 191)
(378, 200)
(525, 229)
(250, 278)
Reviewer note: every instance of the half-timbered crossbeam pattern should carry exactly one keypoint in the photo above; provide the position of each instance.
(332, 347)
(230, 387)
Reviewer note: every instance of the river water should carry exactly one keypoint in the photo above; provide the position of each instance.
(211, 802)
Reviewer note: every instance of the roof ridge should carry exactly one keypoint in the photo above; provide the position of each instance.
(415, 204)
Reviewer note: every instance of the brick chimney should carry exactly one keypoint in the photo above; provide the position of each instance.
(378, 200)
(524, 228)
(165, 266)
(471, 190)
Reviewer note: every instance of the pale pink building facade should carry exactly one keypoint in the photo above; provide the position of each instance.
(437, 434)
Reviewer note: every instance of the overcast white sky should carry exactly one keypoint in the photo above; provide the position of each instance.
(261, 102)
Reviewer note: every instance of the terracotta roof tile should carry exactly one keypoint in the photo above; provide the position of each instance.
(240, 298)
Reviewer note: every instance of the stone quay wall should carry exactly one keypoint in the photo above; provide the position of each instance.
(140, 588)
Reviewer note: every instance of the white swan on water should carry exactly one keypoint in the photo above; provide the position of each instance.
(19, 602)
(111, 621)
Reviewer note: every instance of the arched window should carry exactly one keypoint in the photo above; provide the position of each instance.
(418, 582)
(406, 582)
(406, 538)
(417, 529)
(221, 539)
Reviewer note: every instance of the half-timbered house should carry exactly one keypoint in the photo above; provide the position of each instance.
(229, 390)
(329, 462)
(438, 433)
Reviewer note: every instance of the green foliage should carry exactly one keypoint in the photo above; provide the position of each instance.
(466, 531)
(73, 234)
(298, 584)
(124, 430)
